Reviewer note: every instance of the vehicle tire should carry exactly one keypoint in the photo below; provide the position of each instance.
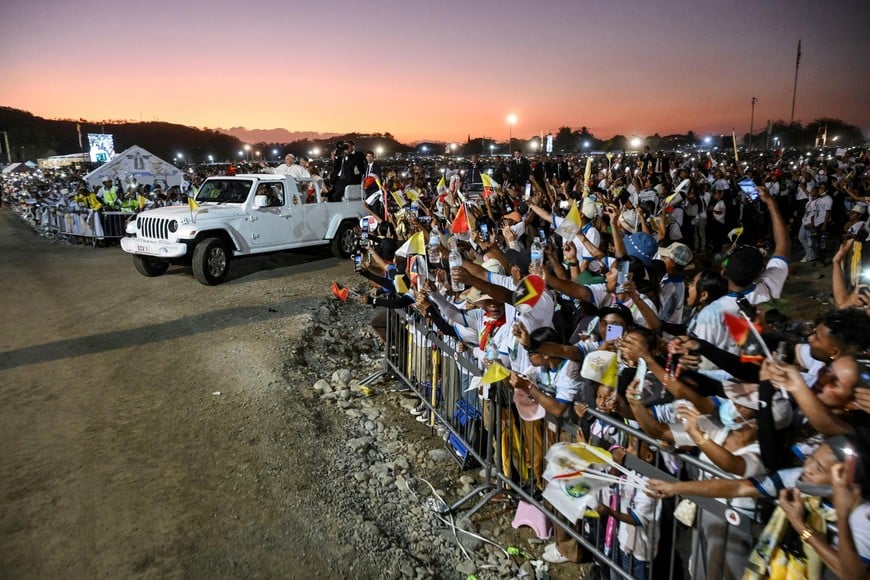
(150, 266)
(211, 261)
(344, 241)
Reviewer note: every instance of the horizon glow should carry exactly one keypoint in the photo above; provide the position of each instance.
(445, 72)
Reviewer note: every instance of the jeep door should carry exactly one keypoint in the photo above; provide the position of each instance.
(313, 212)
(271, 225)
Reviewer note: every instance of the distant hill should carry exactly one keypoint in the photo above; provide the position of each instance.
(275, 135)
(32, 137)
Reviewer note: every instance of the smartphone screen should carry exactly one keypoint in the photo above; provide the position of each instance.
(748, 188)
(622, 275)
(528, 190)
(612, 332)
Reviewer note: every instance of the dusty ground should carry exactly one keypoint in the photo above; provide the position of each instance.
(159, 428)
(117, 458)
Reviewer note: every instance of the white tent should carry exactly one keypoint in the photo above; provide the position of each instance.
(137, 164)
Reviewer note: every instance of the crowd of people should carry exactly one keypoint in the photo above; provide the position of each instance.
(627, 285)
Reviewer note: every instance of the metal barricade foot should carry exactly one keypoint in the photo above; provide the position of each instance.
(494, 492)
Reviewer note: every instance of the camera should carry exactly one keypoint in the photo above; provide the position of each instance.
(340, 148)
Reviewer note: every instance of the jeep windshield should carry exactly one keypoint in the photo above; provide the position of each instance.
(224, 191)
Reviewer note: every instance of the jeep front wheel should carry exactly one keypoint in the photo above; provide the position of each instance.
(150, 266)
(344, 241)
(211, 261)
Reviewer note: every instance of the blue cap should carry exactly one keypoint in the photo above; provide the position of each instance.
(641, 246)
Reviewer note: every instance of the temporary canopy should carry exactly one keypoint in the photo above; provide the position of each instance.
(136, 164)
(17, 168)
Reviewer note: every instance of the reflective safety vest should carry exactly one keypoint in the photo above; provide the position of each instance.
(110, 197)
(131, 205)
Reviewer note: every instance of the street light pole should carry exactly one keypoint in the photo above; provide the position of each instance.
(511, 120)
(752, 123)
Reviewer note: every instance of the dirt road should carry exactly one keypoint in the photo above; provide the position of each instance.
(145, 426)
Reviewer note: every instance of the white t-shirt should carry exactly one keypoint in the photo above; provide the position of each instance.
(822, 207)
(709, 325)
(719, 212)
(561, 383)
(675, 224)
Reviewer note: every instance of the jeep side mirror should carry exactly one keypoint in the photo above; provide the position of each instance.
(260, 201)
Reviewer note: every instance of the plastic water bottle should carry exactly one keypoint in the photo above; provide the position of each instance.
(491, 351)
(455, 259)
(537, 253)
(434, 247)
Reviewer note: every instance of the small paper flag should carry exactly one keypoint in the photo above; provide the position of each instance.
(417, 244)
(738, 327)
(495, 373)
(460, 222)
(400, 282)
(398, 197)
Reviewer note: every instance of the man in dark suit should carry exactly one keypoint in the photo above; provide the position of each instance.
(558, 169)
(472, 181)
(371, 174)
(539, 171)
(519, 169)
(347, 169)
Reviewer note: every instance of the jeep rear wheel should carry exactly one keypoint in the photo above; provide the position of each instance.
(344, 241)
(211, 261)
(150, 266)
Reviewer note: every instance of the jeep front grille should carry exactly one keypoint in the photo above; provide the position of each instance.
(153, 228)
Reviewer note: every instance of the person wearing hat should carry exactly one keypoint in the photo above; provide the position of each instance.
(800, 507)
(856, 220)
(673, 286)
(486, 319)
(749, 278)
(108, 194)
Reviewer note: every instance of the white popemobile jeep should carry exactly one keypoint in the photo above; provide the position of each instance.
(241, 215)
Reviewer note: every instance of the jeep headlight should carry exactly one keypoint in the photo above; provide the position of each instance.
(173, 226)
(132, 227)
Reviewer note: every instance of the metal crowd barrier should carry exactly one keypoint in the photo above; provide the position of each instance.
(65, 224)
(489, 433)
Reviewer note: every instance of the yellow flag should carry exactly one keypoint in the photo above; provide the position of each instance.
(94, 201)
(494, 374)
(442, 183)
(488, 181)
(412, 194)
(192, 204)
(574, 214)
(417, 244)
(610, 374)
(670, 199)
(401, 284)
(855, 267)
(142, 201)
(398, 197)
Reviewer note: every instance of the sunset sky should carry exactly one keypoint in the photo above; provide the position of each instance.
(438, 70)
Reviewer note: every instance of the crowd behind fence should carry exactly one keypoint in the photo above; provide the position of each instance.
(485, 431)
(70, 225)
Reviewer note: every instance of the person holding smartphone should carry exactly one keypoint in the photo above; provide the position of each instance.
(817, 215)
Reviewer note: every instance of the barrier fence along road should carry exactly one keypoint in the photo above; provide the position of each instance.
(488, 433)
